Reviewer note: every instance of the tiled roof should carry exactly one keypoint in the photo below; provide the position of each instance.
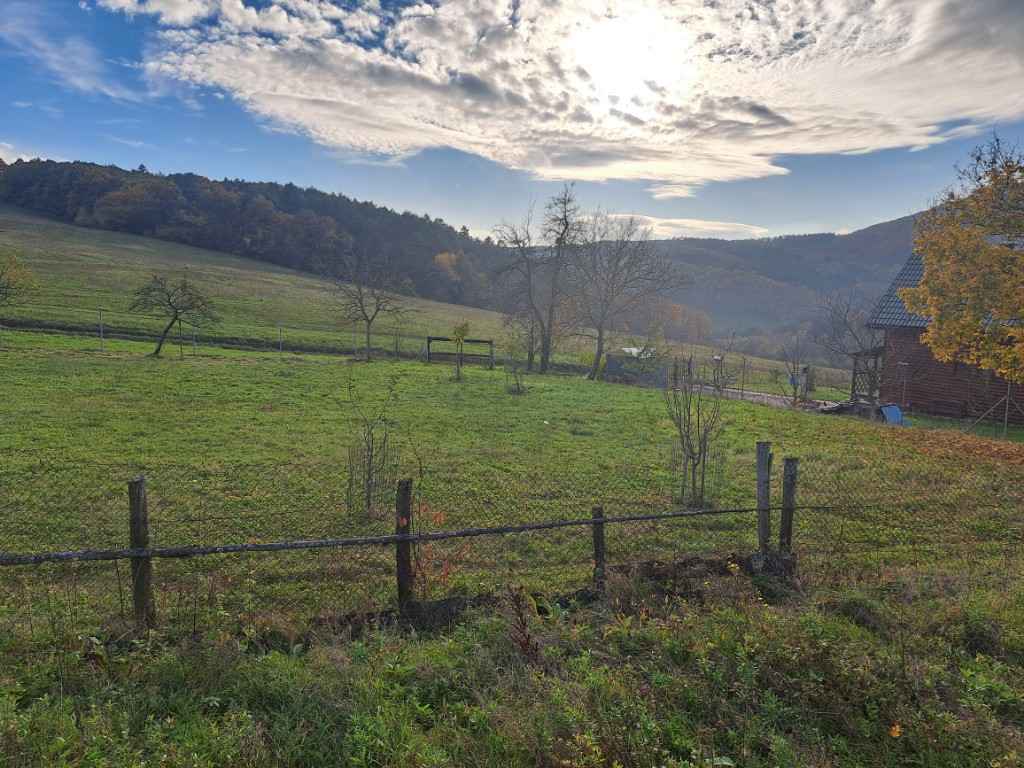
(891, 312)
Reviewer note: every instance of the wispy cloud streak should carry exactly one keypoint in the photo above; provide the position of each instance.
(72, 60)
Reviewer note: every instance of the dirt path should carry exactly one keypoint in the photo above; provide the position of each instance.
(761, 398)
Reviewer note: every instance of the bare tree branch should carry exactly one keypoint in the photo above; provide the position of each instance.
(615, 271)
(177, 299)
(534, 274)
(366, 287)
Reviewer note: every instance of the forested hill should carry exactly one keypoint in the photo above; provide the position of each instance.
(763, 285)
(277, 223)
(772, 281)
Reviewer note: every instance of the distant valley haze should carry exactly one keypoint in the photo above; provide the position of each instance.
(734, 119)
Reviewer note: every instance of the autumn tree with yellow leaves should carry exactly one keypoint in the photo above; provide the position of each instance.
(972, 246)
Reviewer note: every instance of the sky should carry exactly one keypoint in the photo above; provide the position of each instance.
(709, 118)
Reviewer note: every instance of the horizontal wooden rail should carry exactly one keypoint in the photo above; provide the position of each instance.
(465, 341)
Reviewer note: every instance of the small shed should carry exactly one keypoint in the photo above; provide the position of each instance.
(640, 366)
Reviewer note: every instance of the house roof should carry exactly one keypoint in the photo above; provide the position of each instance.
(891, 312)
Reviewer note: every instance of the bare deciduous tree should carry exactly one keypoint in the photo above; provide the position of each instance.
(177, 299)
(535, 272)
(794, 379)
(865, 351)
(373, 457)
(515, 351)
(523, 334)
(614, 271)
(365, 287)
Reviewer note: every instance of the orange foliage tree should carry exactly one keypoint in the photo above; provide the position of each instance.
(971, 245)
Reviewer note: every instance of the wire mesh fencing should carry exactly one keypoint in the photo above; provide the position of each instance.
(271, 547)
(304, 540)
(867, 523)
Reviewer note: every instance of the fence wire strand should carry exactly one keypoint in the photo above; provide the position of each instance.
(856, 523)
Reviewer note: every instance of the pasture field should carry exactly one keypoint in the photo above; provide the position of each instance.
(77, 272)
(901, 641)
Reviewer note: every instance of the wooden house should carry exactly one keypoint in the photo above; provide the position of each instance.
(911, 376)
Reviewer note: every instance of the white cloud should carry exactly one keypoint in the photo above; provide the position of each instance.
(677, 93)
(72, 60)
(47, 106)
(169, 11)
(729, 230)
(134, 143)
(9, 153)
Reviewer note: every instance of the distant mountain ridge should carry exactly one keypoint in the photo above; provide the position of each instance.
(760, 285)
(772, 281)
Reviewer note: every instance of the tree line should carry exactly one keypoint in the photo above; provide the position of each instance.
(579, 274)
(277, 223)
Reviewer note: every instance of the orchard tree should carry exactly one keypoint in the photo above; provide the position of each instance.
(366, 286)
(178, 299)
(694, 404)
(460, 332)
(971, 244)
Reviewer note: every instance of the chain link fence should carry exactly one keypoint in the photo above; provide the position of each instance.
(855, 524)
(950, 526)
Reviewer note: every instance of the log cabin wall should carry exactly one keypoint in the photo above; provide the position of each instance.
(940, 389)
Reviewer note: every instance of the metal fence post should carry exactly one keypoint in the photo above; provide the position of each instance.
(764, 497)
(403, 549)
(141, 567)
(789, 476)
(599, 551)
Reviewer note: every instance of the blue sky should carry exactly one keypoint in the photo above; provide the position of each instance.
(736, 118)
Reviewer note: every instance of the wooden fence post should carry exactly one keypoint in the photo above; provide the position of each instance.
(789, 474)
(403, 549)
(764, 497)
(599, 551)
(491, 344)
(141, 567)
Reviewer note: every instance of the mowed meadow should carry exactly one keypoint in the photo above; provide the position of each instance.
(899, 641)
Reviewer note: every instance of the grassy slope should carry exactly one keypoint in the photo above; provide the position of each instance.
(818, 681)
(78, 271)
(820, 678)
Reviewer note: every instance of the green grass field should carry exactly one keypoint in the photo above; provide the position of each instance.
(77, 272)
(900, 643)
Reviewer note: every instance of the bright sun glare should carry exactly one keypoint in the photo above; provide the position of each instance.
(636, 45)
